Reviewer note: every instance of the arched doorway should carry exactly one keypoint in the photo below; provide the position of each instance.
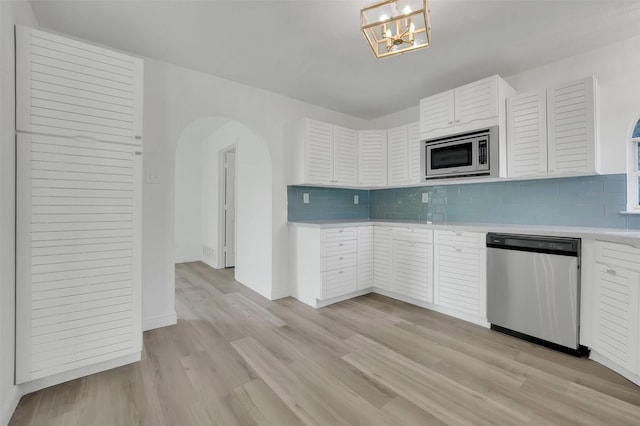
(201, 221)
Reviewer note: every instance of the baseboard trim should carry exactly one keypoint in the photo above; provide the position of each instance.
(10, 407)
(186, 259)
(159, 321)
(56, 379)
(280, 293)
(601, 359)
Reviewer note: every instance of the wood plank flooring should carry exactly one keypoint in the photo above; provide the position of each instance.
(235, 358)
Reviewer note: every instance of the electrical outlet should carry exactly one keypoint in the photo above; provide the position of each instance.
(151, 177)
(356, 199)
(425, 197)
(305, 198)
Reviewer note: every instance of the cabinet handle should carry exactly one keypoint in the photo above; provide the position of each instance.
(451, 122)
(341, 258)
(341, 230)
(341, 244)
(457, 249)
(341, 272)
(611, 271)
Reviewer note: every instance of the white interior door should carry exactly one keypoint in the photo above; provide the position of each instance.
(229, 208)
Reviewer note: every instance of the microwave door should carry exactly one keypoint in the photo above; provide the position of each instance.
(450, 158)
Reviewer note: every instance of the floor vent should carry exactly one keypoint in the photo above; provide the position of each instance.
(208, 252)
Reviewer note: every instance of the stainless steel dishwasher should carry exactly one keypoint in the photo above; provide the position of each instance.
(533, 288)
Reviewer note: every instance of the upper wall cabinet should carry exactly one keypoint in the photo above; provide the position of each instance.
(372, 155)
(472, 106)
(571, 124)
(553, 132)
(325, 154)
(403, 154)
(73, 89)
(527, 134)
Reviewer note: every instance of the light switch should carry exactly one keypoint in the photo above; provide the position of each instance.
(356, 199)
(425, 197)
(305, 198)
(151, 177)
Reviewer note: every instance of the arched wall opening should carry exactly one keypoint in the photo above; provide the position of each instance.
(198, 199)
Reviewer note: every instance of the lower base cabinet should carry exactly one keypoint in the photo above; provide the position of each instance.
(412, 260)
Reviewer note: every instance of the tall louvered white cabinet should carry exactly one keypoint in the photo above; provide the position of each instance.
(571, 127)
(527, 134)
(372, 155)
(78, 230)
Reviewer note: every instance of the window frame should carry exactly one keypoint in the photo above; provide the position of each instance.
(633, 174)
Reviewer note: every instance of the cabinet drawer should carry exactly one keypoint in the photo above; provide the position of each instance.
(338, 282)
(618, 254)
(334, 248)
(339, 234)
(337, 262)
(460, 239)
(416, 235)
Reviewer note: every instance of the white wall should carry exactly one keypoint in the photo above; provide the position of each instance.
(176, 97)
(616, 67)
(188, 196)
(11, 12)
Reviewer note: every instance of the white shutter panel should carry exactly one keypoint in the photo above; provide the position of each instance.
(372, 150)
(318, 152)
(437, 111)
(477, 100)
(527, 134)
(572, 127)
(414, 136)
(74, 89)
(78, 254)
(345, 143)
(397, 152)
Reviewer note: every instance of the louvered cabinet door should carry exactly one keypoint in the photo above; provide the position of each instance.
(414, 137)
(437, 112)
(527, 134)
(476, 101)
(318, 152)
(345, 162)
(397, 156)
(78, 254)
(616, 325)
(372, 154)
(412, 269)
(68, 88)
(365, 257)
(382, 256)
(571, 126)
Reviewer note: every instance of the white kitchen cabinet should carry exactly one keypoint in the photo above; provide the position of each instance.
(79, 208)
(345, 152)
(382, 260)
(372, 156)
(572, 128)
(414, 137)
(470, 107)
(413, 263)
(325, 154)
(397, 156)
(365, 257)
(460, 272)
(527, 134)
(612, 316)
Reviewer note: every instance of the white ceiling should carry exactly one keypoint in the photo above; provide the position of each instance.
(314, 50)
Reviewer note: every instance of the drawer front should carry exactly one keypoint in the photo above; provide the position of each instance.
(339, 234)
(415, 235)
(618, 254)
(335, 248)
(337, 262)
(461, 239)
(338, 282)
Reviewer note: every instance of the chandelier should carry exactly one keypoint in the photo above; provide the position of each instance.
(396, 26)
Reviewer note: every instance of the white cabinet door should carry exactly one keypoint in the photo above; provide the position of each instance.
(437, 112)
(615, 324)
(414, 137)
(397, 156)
(78, 254)
(68, 88)
(372, 154)
(527, 134)
(345, 153)
(412, 269)
(382, 257)
(571, 127)
(476, 101)
(365, 257)
(318, 139)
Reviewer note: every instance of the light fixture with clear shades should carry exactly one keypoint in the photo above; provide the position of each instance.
(396, 26)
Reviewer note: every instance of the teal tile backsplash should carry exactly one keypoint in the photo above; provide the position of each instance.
(578, 201)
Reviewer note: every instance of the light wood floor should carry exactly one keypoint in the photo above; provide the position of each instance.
(235, 358)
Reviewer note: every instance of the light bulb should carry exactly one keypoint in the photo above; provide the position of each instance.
(406, 10)
(384, 17)
(387, 34)
(412, 28)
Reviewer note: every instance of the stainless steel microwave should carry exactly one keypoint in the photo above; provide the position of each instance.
(461, 155)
